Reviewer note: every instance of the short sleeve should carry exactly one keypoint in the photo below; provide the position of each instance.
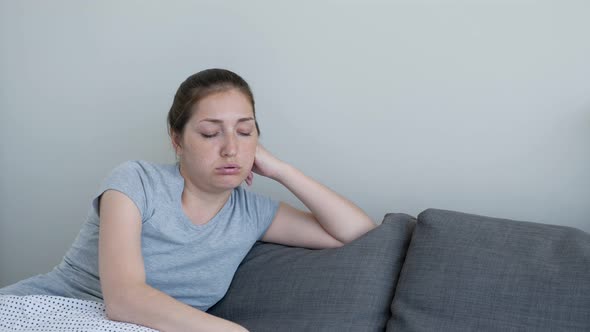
(130, 179)
(262, 210)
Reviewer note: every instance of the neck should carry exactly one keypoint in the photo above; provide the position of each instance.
(199, 205)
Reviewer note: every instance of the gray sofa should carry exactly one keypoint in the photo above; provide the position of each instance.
(444, 271)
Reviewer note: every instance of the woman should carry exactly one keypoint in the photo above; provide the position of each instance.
(162, 242)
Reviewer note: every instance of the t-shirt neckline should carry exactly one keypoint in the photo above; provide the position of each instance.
(186, 221)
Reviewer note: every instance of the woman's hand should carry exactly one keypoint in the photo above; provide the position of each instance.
(265, 164)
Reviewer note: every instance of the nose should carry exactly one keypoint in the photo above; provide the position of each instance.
(230, 147)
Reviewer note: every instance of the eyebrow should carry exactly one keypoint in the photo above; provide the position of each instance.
(219, 121)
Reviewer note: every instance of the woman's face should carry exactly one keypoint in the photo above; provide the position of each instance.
(219, 142)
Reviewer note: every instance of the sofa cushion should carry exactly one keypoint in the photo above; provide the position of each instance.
(282, 288)
(469, 272)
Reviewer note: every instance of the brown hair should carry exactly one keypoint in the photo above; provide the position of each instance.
(200, 85)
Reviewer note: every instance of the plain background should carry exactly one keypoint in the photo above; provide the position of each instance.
(475, 106)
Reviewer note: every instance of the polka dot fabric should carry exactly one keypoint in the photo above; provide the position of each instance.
(55, 313)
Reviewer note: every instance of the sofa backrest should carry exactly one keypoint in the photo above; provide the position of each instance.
(466, 272)
(281, 288)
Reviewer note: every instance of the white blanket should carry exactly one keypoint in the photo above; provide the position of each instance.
(56, 313)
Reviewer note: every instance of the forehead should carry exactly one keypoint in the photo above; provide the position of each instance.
(225, 105)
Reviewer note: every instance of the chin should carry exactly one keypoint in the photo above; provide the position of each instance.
(228, 185)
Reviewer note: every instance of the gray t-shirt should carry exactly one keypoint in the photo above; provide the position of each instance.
(192, 263)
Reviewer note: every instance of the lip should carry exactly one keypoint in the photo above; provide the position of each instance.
(229, 166)
(228, 169)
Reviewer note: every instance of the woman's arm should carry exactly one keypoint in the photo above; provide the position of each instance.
(341, 218)
(126, 295)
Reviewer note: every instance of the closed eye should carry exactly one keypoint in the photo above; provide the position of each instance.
(213, 135)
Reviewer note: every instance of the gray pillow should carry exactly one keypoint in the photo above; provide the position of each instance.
(466, 272)
(282, 288)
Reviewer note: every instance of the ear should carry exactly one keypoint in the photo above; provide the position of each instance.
(176, 140)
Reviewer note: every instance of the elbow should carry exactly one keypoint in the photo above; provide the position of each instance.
(113, 309)
(110, 311)
(118, 303)
(335, 244)
(366, 227)
(360, 230)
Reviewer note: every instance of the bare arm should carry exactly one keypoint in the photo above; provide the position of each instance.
(338, 216)
(127, 297)
(341, 218)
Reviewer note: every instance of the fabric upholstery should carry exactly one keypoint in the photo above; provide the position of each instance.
(282, 288)
(465, 272)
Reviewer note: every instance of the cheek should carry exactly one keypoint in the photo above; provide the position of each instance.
(250, 150)
(200, 152)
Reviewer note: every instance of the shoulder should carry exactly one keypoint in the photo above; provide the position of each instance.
(142, 176)
(253, 203)
(140, 166)
(142, 181)
(145, 169)
(242, 194)
(258, 209)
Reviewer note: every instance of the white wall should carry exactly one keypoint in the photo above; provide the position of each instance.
(476, 106)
